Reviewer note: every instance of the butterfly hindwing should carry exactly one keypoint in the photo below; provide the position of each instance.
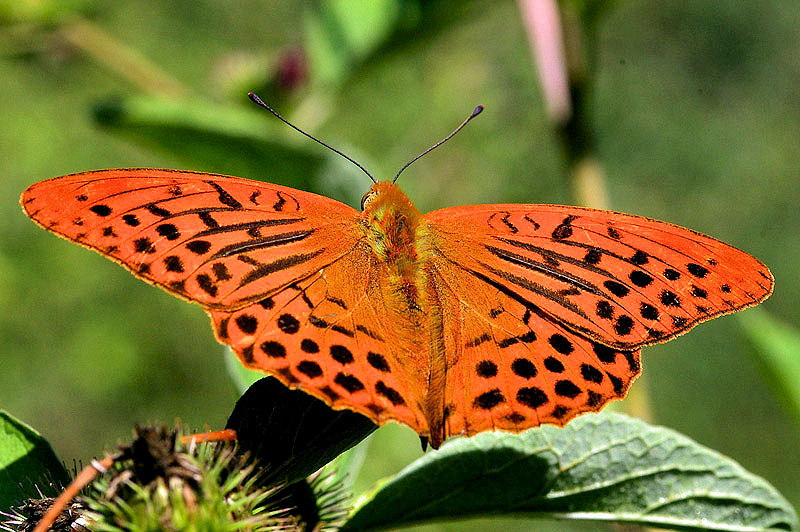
(326, 336)
(220, 241)
(511, 367)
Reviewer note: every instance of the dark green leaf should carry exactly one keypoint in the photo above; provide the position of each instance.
(292, 433)
(240, 141)
(27, 462)
(600, 467)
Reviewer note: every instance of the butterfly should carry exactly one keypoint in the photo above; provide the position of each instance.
(454, 322)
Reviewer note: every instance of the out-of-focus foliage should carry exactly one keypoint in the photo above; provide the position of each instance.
(776, 347)
(694, 107)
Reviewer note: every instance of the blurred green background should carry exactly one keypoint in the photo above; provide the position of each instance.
(695, 105)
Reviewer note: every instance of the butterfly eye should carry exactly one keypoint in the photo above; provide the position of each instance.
(367, 198)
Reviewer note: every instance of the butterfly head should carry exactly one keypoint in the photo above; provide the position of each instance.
(383, 197)
(389, 217)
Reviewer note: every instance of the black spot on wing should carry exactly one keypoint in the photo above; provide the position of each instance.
(378, 361)
(697, 270)
(670, 298)
(309, 346)
(567, 388)
(100, 210)
(524, 368)
(532, 397)
(199, 247)
(168, 231)
(144, 245)
(390, 393)
(341, 354)
(623, 325)
(618, 289)
(605, 310)
(173, 263)
(593, 256)
(553, 365)
(640, 258)
(207, 285)
(273, 349)
(348, 382)
(564, 229)
(310, 369)
(560, 343)
(489, 400)
(247, 323)
(486, 369)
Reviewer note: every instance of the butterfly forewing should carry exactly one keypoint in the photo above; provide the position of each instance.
(221, 241)
(622, 280)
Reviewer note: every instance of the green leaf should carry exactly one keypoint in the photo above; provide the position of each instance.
(291, 433)
(600, 467)
(242, 377)
(341, 33)
(27, 462)
(235, 140)
(777, 346)
(347, 465)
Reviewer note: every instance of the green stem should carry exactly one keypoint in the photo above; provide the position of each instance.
(120, 58)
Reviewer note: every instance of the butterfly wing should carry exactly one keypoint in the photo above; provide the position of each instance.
(221, 241)
(511, 367)
(622, 280)
(283, 274)
(545, 307)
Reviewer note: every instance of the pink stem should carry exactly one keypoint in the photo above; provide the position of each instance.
(543, 24)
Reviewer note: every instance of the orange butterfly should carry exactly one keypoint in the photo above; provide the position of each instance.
(454, 322)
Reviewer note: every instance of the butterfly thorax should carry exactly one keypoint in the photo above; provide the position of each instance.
(391, 225)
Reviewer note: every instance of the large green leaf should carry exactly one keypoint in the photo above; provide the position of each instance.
(27, 463)
(600, 467)
(777, 346)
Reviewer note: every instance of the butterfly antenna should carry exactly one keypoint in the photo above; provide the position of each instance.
(260, 102)
(475, 113)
